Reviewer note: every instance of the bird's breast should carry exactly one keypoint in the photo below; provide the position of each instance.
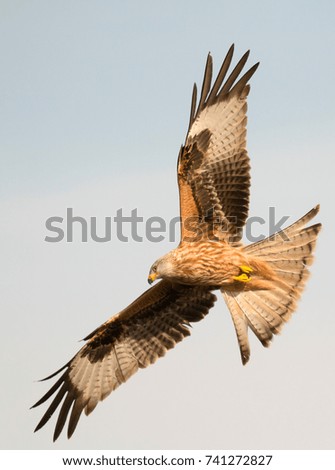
(210, 263)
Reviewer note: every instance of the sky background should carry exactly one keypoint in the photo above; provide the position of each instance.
(95, 99)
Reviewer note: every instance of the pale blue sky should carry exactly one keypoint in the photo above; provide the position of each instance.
(95, 99)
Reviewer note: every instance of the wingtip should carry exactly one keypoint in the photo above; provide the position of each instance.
(70, 432)
(230, 52)
(246, 55)
(57, 432)
(253, 69)
(257, 65)
(209, 62)
(55, 373)
(38, 427)
(38, 403)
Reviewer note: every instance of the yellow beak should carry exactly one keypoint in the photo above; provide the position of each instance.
(152, 277)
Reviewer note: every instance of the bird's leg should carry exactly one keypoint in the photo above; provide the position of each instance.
(244, 276)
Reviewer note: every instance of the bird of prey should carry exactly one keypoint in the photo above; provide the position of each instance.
(260, 283)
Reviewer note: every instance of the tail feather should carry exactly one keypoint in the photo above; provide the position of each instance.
(286, 245)
(286, 233)
(240, 323)
(288, 254)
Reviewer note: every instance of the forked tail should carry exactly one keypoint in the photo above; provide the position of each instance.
(288, 253)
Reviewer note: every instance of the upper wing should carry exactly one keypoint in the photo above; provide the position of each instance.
(213, 165)
(132, 339)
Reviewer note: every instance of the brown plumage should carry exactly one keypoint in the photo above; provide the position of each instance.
(132, 339)
(261, 283)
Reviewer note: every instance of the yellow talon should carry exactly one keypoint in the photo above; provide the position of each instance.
(242, 278)
(246, 269)
(245, 274)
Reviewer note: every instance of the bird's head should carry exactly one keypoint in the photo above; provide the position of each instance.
(162, 268)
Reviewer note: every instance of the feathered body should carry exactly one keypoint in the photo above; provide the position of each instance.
(260, 283)
(208, 263)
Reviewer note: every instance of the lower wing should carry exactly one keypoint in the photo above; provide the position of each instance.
(133, 339)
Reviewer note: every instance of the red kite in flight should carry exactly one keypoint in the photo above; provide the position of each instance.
(260, 283)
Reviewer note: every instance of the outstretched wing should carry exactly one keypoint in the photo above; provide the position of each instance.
(132, 339)
(213, 165)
